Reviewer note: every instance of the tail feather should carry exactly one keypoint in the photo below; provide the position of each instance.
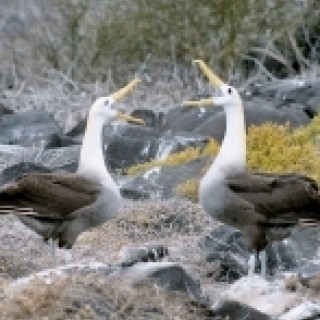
(17, 211)
(311, 223)
(21, 211)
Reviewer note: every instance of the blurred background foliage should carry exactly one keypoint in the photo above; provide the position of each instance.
(86, 39)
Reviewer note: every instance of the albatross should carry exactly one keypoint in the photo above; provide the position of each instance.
(60, 206)
(264, 206)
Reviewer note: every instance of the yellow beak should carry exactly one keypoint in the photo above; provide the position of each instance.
(126, 117)
(125, 90)
(200, 103)
(213, 79)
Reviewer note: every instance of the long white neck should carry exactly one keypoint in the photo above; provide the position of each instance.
(91, 162)
(232, 154)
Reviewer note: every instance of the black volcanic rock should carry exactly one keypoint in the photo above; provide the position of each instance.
(4, 110)
(292, 90)
(129, 144)
(187, 118)
(225, 246)
(151, 118)
(78, 129)
(210, 121)
(126, 145)
(234, 310)
(256, 112)
(313, 106)
(168, 275)
(30, 128)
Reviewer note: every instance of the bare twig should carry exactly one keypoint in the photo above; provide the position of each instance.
(276, 56)
(260, 65)
(297, 51)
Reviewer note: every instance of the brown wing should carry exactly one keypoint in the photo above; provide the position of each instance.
(54, 195)
(278, 196)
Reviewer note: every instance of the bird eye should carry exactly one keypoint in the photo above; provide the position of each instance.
(107, 103)
(229, 90)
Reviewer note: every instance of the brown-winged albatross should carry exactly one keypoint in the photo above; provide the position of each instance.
(258, 204)
(59, 206)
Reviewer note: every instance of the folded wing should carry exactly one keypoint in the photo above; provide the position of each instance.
(49, 195)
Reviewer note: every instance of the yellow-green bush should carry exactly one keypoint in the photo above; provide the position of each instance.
(177, 158)
(188, 189)
(274, 148)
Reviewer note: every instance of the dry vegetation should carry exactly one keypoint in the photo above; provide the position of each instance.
(105, 299)
(123, 35)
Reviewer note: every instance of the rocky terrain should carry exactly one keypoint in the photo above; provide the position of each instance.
(162, 257)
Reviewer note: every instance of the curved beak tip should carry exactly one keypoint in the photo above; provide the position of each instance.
(128, 118)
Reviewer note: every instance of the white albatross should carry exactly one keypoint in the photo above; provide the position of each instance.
(264, 206)
(60, 206)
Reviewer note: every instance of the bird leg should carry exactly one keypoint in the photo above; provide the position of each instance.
(263, 263)
(53, 250)
(251, 264)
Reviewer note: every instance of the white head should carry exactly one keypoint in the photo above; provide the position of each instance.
(227, 97)
(104, 110)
